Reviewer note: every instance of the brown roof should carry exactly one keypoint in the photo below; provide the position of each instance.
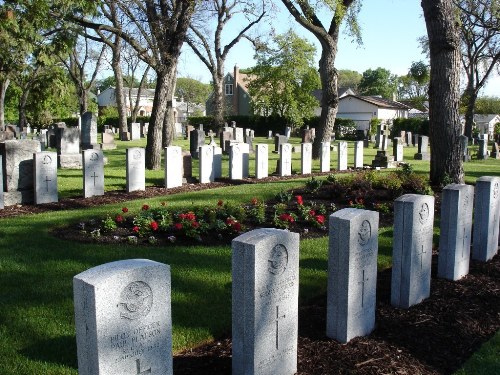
(380, 102)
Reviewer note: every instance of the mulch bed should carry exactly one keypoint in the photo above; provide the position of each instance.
(434, 337)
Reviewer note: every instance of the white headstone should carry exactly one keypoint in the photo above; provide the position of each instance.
(342, 156)
(486, 218)
(265, 270)
(173, 166)
(135, 131)
(455, 233)
(217, 162)
(358, 154)
(93, 173)
(45, 167)
(261, 161)
(306, 158)
(352, 273)
(412, 249)
(285, 162)
(123, 318)
(136, 167)
(238, 161)
(206, 165)
(324, 159)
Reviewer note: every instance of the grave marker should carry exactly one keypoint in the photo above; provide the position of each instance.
(358, 154)
(342, 156)
(206, 165)
(285, 162)
(261, 161)
(93, 173)
(324, 160)
(173, 166)
(352, 273)
(217, 162)
(135, 131)
(89, 131)
(45, 168)
(306, 158)
(265, 270)
(136, 166)
(123, 318)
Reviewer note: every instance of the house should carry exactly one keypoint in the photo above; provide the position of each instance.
(362, 109)
(236, 95)
(486, 123)
(107, 98)
(318, 94)
(184, 109)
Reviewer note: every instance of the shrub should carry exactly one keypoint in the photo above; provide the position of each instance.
(313, 185)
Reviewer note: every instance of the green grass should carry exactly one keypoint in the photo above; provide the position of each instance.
(486, 361)
(36, 269)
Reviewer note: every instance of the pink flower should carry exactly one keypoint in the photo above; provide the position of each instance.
(124, 210)
(312, 213)
(153, 225)
(195, 224)
(119, 218)
(178, 226)
(135, 229)
(320, 219)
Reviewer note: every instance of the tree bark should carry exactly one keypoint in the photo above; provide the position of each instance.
(4, 84)
(169, 120)
(470, 97)
(444, 95)
(218, 97)
(22, 109)
(120, 97)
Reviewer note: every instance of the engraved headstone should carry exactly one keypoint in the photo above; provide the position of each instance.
(225, 136)
(423, 145)
(285, 161)
(486, 218)
(352, 273)
(135, 131)
(173, 166)
(196, 140)
(270, 134)
(342, 156)
(456, 230)
(136, 166)
(238, 161)
(409, 139)
(324, 157)
(397, 149)
(412, 249)
(464, 141)
(307, 136)
(415, 140)
(93, 173)
(306, 158)
(288, 133)
(358, 154)
(482, 151)
(217, 162)
(238, 135)
(206, 165)
(17, 168)
(108, 140)
(45, 178)
(261, 161)
(278, 141)
(89, 131)
(123, 318)
(265, 271)
(68, 148)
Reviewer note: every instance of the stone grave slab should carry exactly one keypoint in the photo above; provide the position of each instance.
(306, 158)
(174, 166)
(358, 154)
(206, 165)
(89, 131)
(136, 166)
(261, 161)
(342, 156)
(285, 161)
(135, 131)
(217, 162)
(45, 177)
(324, 157)
(93, 173)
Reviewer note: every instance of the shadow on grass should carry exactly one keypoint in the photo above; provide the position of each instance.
(59, 350)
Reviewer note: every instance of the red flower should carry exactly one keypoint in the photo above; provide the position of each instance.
(220, 203)
(145, 207)
(287, 217)
(360, 200)
(119, 218)
(312, 213)
(254, 201)
(229, 221)
(299, 199)
(195, 224)
(190, 216)
(124, 210)
(178, 226)
(236, 226)
(135, 229)
(153, 225)
(320, 219)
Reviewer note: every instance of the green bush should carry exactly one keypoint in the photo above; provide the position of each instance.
(415, 125)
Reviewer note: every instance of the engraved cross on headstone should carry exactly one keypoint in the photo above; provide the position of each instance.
(286, 163)
(421, 257)
(94, 176)
(138, 365)
(362, 282)
(278, 318)
(47, 182)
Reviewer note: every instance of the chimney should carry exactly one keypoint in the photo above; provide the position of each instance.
(235, 90)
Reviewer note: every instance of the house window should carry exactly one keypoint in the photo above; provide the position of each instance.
(229, 89)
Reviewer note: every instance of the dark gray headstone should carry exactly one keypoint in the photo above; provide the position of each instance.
(89, 130)
(196, 140)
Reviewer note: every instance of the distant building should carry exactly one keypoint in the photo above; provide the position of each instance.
(361, 109)
(185, 109)
(318, 94)
(107, 98)
(486, 123)
(236, 96)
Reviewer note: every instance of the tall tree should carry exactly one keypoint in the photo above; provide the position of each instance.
(208, 44)
(284, 79)
(480, 33)
(378, 81)
(444, 91)
(306, 14)
(349, 78)
(156, 29)
(414, 86)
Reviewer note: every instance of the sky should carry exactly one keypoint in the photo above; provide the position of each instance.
(390, 29)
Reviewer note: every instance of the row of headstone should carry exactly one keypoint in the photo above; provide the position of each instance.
(123, 309)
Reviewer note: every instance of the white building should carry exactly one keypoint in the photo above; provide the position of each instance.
(486, 123)
(362, 109)
(107, 98)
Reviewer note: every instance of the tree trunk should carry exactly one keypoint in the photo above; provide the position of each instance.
(82, 99)
(444, 97)
(120, 98)
(169, 121)
(329, 101)
(23, 122)
(470, 101)
(4, 84)
(218, 99)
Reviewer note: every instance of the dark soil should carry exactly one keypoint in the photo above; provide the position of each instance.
(434, 337)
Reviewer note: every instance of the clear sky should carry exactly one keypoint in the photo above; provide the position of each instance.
(390, 29)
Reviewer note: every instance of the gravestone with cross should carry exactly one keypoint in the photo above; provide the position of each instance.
(206, 165)
(455, 233)
(93, 173)
(136, 164)
(173, 166)
(265, 270)
(45, 166)
(261, 161)
(358, 154)
(342, 156)
(123, 318)
(412, 249)
(486, 218)
(324, 157)
(285, 161)
(352, 273)
(305, 158)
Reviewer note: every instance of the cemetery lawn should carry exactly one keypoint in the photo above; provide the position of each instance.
(36, 305)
